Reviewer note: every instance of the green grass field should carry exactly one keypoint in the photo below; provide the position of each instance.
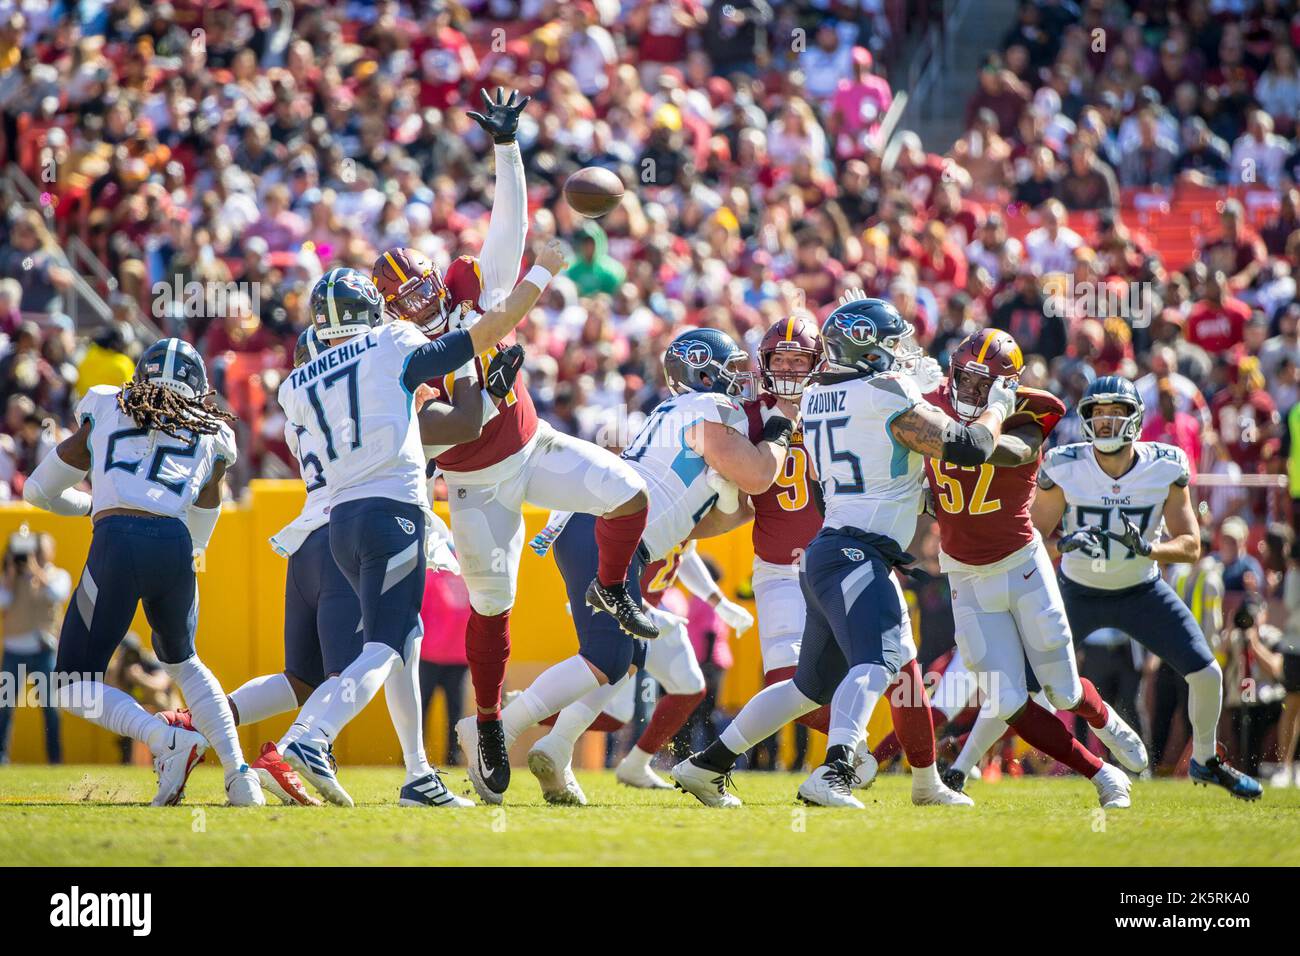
(98, 816)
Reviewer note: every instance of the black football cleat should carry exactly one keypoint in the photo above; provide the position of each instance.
(954, 780)
(494, 757)
(614, 600)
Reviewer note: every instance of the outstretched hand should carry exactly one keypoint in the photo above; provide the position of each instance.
(500, 118)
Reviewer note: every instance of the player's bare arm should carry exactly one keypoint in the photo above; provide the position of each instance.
(1046, 512)
(752, 468)
(1183, 545)
(453, 423)
(75, 449)
(496, 324)
(210, 496)
(1018, 446)
(929, 431)
(718, 522)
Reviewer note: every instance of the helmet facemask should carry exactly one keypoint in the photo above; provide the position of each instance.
(1123, 429)
(734, 378)
(420, 300)
(970, 385)
(786, 384)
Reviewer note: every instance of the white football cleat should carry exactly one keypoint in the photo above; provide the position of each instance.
(831, 785)
(244, 789)
(181, 752)
(1123, 743)
(707, 786)
(467, 737)
(865, 767)
(1113, 787)
(553, 768)
(634, 772)
(317, 766)
(943, 796)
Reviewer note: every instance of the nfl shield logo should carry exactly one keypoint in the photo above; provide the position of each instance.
(1114, 489)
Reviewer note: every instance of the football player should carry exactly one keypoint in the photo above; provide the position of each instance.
(355, 402)
(1118, 496)
(701, 428)
(1006, 604)
(516, 459)
(670, 660)
(155, 450)
(868, 429)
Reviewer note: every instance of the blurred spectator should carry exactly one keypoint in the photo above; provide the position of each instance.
(1288, 729)
(1241, 571)
(1252, 677)
(136, 670)
(1166, 423)
(443, 665)
(32, 594)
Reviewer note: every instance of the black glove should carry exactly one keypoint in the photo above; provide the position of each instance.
(1131, 537)
(502, 370)
(500, 119)
(1086, 539)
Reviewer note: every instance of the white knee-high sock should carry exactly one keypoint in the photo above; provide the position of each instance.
(573, 720)
(263, 697)
(555, 688)
(402, 694)
(988, 730)
(1204, 702)
(325, 714)
(209, 710)
(853, 703)
(767, 712)
(114, 710)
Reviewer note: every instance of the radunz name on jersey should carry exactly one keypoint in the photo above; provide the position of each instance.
(331, 358)
(819, 402)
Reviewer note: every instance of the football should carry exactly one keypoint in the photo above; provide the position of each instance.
(593, 191)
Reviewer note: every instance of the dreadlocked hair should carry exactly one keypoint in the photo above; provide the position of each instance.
(152, 406)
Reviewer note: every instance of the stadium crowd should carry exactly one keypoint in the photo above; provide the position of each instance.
(1123, 199)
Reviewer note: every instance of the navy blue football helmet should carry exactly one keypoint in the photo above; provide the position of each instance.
(306, 348)
(868, 336)
(706, 360)
(345, 302)
(1125, 429)
(176, 366)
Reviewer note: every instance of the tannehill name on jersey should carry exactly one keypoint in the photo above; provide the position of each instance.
(331, 358)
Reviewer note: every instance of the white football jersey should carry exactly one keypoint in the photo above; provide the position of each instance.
(676, 477)
(1093, 497)
(353, 405)
(869, 481)
(308, 449)
(133, 467)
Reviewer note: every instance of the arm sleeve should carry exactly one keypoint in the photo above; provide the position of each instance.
(201, 522)
(50, 487)
(435, 359)
(695, 576)
(967, 444)
(223, 445)
(503, 246)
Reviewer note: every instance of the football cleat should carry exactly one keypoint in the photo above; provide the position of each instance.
(318, 767)
(707, 786)
(615, 600)
(487, 756)
(553, 768)
(244, 790)
(634, 774)
(1113, 787)
(1217, 772)
(1123, 743)
(180, 754)
(281, 780)
(954, 780)
(831, 785)
(177, 718)
(940, 796)
(865, 767)
(429, 791)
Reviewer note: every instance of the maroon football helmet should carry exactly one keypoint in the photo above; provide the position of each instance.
(413, 289)
(794, 335)
(980, 358)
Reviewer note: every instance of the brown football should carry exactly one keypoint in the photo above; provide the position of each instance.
(593, 191)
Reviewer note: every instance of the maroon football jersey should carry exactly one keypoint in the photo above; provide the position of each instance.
(982, 510)
(516, 422)
(785, 518)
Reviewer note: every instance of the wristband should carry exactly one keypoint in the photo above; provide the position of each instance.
(777, 430)
(539, 276)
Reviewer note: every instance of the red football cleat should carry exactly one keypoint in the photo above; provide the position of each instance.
(177, 718)
(280, 779)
